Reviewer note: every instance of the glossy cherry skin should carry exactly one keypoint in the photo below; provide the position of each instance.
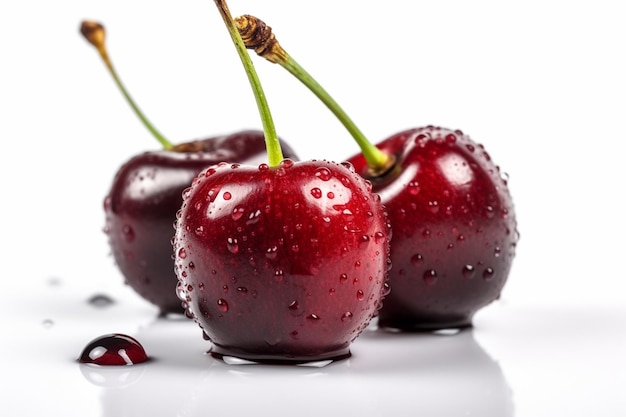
(282, 264)
(141, 208)
(454, 226)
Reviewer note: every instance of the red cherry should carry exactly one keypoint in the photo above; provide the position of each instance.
(454, 225)
(282, 264)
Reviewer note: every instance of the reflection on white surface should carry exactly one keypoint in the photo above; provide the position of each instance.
(403, 374)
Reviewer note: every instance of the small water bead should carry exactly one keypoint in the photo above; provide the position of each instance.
(450, 138)
(222, 305)
(343, 278)
(279, 275)
(414, 188)
(497, 252)
(347, 316)
(227, 196)
(233, 245)
(488, 274)
(182, 253)
(379, 237)
(264, 167)
(469, 271)
(323, 173)
(330, 195)
(316, 192)
(360, 295)
(433, 206)
(238, 212)
(293, 306)
(128, 233)
(490, 212)
(417, 259)
(242, 290)
(470, 147)
(348, 214)
(100, 300)
(430, 276)
(113, 349)
(313, 318)
(332, 291)
(287, 163)
(271, 252)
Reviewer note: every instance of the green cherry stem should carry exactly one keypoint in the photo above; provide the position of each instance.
(274, 151)
(95, 34)
(258, 36)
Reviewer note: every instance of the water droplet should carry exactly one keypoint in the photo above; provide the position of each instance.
(182, 253)
(271, 252)
(489, 211)
(113, 349)
(347, 316)
(128, 233)
(293, 306)
(279, 275)
(360, 295)
(238, 212)
(330, 195)
(433, 206)
(264, 167)
(332, 291)
(227, 196)
(343, 278)
(316, 192)
(222, 305)
(242, 290)
(199, 231)
(469, 271)
(497, 252)
(379, 237)
(323, 173)
(470, 147)
(287, 163)
(414, 188)
(357, 264)
(450, 138)
(430, 277)
(100, 301)
(232, 244)
(488, 274)
(313, 317)
(417, 259)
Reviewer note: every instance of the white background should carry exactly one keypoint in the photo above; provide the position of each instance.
(540, 83)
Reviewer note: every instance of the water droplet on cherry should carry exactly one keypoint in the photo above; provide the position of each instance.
(316, 192)
(128, 233)
(430, 277)
(222, 305)
(347, 316)
(469, 271)
(233, 245)
(488, 274)
(323, 173)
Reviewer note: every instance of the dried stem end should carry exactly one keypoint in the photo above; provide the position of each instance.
(257, 35)
(94, 33)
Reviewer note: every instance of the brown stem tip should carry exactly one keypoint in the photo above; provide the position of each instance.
(94, 33)
(257, 35)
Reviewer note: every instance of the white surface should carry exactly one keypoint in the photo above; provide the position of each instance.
(540, 84)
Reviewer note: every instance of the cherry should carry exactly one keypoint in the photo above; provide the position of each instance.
(113, 349)
(455, 229)
(280, 262)
(145, 194)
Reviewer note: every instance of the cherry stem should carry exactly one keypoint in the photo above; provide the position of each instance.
(257, 35)
(272, 144)
(95, 34)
